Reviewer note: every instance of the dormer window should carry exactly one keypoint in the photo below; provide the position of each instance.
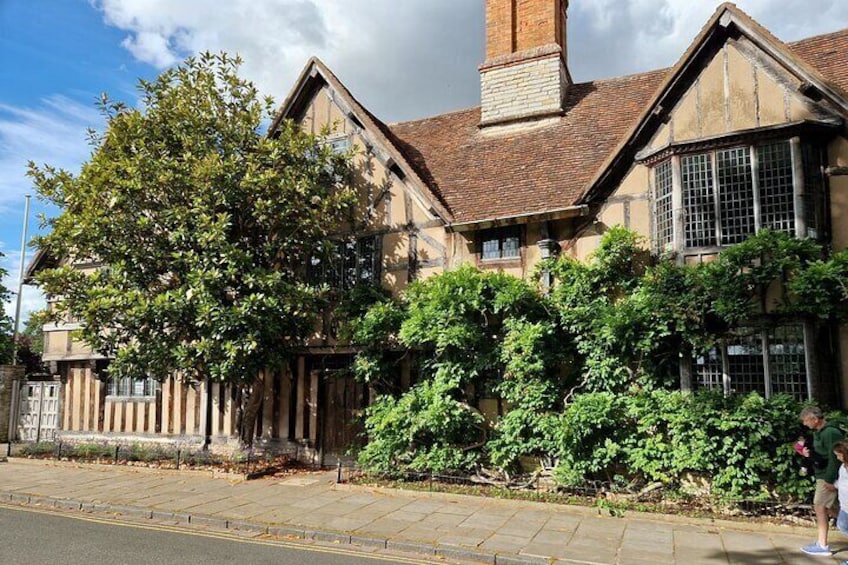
(723, 196)
(500, 243)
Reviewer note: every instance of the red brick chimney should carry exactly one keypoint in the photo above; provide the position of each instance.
(525, 76)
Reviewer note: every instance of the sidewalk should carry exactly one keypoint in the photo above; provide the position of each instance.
(311, 506)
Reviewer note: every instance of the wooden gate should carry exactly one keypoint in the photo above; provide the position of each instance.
(38, 414)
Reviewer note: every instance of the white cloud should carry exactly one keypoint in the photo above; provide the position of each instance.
(53, 132)
(406, 58)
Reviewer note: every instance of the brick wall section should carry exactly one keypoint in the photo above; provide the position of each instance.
(499, 28)
(536, 23)
(513, 26)
(522, 90)
(8, 375)
(524, 75)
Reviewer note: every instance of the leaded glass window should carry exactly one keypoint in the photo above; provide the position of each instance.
(727, 195)
(742, 363)
(664, 210)
(698, 200)
(777, 204)
(502, 243)
(349, 262)
(130, 387)
(735, 195)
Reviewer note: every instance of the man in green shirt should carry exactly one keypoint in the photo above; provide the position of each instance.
(825, 501)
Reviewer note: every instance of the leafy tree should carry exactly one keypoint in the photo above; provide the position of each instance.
(201, 227)
(31, 342)
(6, 347)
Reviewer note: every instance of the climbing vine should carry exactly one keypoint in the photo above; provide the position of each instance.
(585, 376)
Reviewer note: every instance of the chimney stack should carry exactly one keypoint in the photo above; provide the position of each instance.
(525, 76)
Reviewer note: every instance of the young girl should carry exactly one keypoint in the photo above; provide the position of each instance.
(840, 449)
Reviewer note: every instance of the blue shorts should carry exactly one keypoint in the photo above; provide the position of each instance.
(842, 522)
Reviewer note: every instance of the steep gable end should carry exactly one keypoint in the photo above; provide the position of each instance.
(735, 77)
(320, 103)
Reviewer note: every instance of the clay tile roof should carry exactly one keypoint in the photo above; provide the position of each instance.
(828, 54)
(482, 177)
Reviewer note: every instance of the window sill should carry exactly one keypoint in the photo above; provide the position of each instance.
(506, 262)
(115, 398)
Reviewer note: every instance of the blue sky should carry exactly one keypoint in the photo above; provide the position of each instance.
(56, 57)
(403, 59)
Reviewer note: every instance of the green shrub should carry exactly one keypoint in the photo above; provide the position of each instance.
(740, 444)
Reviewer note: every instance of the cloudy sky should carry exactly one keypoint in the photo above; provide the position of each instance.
(403, 59)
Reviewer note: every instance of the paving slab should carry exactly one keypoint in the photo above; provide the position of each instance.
(380, 519)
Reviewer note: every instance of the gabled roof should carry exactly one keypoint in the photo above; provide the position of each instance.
(314, 76)
(471, 177)
(483, 177)
(572, 162)
(676, 82)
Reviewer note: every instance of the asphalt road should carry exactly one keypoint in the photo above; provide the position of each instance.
(35, 537)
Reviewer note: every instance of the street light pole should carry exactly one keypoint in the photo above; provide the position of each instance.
(20, 284)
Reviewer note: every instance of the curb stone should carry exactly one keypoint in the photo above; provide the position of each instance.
(207, 521)
(244, 526)
(445, 551)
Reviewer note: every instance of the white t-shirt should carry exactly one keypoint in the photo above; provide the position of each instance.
(842, 488)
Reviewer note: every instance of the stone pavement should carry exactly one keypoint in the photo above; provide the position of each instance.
(312, 506)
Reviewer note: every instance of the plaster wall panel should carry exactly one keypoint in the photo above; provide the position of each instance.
(426, 273)
(336, 121)
(712, 100)
(637, 182)
(612, 215)
(742, 95)
(320, 109)
(661, 138)
(585, 246)
(772, 102)
(839, 212)
(395, 281)
(685, 117)
(640, 218)
(838, 156)
(799, 110)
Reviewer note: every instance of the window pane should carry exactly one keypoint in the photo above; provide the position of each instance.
(491, 248)
(664, 231)
(736, 195)
(511, 248)
(349, 272)
(813, 188)
(777, 209)
(787, 360)
(698, 200)
(334, 267)
(365, 258)
(708, 370)
(745, 364)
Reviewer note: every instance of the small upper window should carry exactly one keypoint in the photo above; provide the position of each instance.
(502, 243)
(339, 145)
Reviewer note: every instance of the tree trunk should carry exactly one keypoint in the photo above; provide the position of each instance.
(251, 400)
